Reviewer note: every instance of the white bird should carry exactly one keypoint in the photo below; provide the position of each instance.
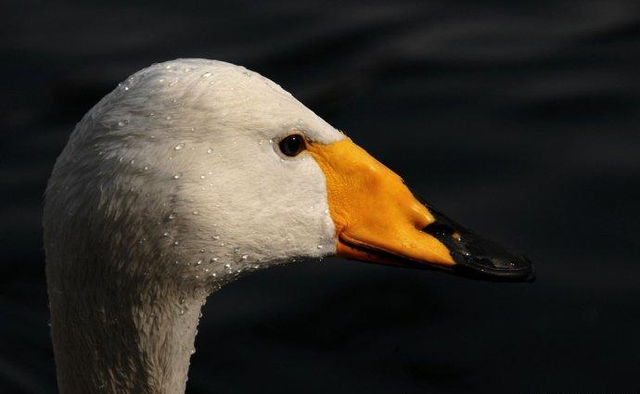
(191, 173)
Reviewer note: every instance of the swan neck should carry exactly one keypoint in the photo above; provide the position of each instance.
(131, 339)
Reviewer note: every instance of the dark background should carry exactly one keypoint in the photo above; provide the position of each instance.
(519, 119)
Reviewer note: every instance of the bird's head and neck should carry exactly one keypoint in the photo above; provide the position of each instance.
(191, 173)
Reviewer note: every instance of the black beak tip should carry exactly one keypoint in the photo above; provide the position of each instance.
(477, 257)
(531, 276)
(515, 269)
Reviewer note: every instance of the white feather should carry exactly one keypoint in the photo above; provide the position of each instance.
(169, 187)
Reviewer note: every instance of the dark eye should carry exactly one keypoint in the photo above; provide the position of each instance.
(292, 145)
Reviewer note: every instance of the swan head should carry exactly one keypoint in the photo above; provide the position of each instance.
(195, 171)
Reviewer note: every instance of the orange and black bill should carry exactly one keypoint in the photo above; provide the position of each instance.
(377, 219)
(473, 256)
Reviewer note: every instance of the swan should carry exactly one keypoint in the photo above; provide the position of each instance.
(190, 174)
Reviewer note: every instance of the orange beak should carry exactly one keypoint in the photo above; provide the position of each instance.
(377, 219)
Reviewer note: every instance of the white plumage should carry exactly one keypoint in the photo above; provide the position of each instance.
(170, 186)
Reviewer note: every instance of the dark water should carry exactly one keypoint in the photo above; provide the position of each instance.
(520, 119)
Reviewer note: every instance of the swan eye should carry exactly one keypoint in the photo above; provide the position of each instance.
(292, 145)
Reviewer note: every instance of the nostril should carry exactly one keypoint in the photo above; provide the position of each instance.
(438, 230)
